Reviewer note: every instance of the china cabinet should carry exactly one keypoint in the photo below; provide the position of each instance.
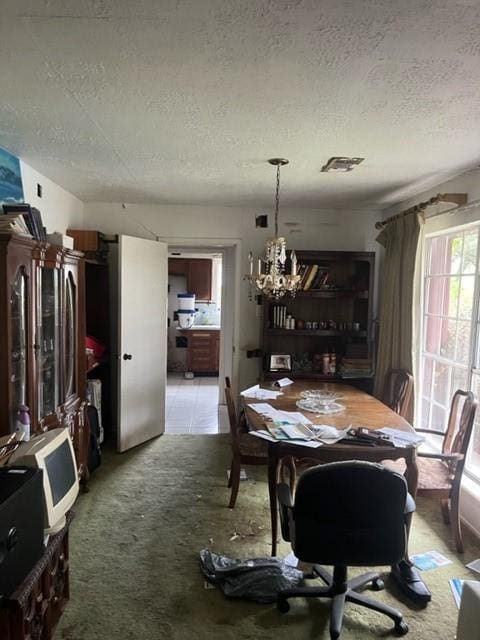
(42, 339)
(327, 328)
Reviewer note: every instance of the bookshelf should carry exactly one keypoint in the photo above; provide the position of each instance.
(332, 313)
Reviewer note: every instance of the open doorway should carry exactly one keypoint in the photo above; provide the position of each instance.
(195, 335)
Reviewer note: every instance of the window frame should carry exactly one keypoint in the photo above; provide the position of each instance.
(472, 367)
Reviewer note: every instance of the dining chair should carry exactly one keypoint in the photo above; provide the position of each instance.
(397, 390)
(345, 514)
(247, 449)
(440, 474)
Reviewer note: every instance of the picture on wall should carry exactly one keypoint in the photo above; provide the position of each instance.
(11, 187)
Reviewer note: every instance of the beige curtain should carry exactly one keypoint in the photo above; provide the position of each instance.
(400, 240)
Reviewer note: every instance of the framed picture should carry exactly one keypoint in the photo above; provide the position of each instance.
(280, 362)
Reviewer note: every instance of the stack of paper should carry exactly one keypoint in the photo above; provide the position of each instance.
(260, 394)
(402, 439)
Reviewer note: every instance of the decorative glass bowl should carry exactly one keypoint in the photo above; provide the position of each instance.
(320, 397)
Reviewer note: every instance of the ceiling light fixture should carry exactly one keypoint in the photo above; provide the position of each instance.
(273, 281)
(339, 164)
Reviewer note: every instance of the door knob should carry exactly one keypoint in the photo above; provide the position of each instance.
(127, 356)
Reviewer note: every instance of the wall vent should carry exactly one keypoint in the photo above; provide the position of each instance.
(339, 164)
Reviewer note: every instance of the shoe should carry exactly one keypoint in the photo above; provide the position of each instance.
(408, 579)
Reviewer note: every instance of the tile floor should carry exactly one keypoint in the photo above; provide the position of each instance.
(192, 406)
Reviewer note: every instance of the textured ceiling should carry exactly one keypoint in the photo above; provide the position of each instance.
(183, 101)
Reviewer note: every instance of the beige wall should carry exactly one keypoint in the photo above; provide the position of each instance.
(304, 229)
(59, 208)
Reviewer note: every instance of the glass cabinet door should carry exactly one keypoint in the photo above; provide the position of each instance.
(70, 336)
(48, 335)
(18, 319)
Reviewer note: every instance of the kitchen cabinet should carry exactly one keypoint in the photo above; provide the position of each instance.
(42, 334)
(198, 272)
(202, 350)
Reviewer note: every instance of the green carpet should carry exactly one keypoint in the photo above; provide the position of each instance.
(134, 555)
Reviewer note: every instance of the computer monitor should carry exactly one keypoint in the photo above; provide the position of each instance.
(53, 452)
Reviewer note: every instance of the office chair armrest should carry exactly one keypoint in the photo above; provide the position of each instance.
(285, 501)
(441, 456)
(433, 432)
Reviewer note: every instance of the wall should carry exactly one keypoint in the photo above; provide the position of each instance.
(60, 209)
(303, 228)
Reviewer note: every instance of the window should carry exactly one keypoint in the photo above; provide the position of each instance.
(450, 354)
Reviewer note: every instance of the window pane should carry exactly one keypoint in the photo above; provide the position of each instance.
(438, 254)
(439, 418)
(459, 381)
(473, 459)
(463, 342)
(453, 295)
(427, 377)
(465, 306)
(447, 341)
(440, 383)
(470, 241)
(455, 246)
(433, 333)
(436, 292)
(425, 414)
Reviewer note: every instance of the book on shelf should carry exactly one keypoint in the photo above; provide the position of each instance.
(310, 277)
(14, 223)
(31, 216)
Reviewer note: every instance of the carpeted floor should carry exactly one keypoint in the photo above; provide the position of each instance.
(134, 555)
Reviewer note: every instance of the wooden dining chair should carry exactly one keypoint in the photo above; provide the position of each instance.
(440, 474)
(397, 391)
(246, 449)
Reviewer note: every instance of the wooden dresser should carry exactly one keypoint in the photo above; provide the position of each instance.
(202, 350)
(34, 609)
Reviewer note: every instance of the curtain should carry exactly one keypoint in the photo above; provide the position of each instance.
(400, 240)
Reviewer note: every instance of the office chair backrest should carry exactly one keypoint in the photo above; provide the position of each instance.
(460, 423)
(398, 390)
(350, 513)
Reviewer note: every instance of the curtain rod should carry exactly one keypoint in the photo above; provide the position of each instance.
(459, 199)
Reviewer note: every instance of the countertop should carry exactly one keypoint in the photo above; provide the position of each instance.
(202, 327)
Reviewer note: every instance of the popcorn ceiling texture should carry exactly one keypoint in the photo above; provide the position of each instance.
(183, 102)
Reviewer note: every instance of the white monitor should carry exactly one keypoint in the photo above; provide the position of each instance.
(52, 452)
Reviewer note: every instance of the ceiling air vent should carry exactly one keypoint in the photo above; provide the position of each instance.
(341, 165)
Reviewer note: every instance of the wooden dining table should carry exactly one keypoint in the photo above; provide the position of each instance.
(361, 410)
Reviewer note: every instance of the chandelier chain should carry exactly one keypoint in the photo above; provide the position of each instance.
(277, 200)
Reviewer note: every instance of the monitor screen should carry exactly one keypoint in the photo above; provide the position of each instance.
(60, 470)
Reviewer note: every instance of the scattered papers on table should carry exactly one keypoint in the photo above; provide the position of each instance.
(456, 585)
(261, 394)
(402, 438)
(265, 435)
(282, 431)
(327, 434)
(264, 409)
(283, 382)
(293, 417)
(429, 560)
(474, 565)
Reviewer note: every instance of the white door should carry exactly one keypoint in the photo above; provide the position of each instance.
(142, 340)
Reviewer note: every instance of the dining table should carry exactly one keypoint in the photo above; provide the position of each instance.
(360, 410)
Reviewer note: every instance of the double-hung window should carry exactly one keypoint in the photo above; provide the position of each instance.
(450, 336)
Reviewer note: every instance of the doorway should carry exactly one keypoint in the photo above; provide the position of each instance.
(195, 340)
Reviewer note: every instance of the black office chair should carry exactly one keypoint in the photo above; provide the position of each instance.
(345, 514)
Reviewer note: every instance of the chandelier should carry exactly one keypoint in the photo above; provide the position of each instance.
(271, 279)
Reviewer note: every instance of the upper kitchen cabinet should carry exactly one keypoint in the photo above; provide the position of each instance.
(199, 278)
(198, 272)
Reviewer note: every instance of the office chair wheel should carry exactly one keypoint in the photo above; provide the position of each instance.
(378, 584)
(282, 605)
(401, 628)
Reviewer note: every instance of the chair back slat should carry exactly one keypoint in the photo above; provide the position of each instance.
(232, 414)
(460, 422)
(397, 391)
